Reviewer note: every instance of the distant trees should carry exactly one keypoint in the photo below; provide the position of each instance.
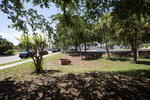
(5, 45)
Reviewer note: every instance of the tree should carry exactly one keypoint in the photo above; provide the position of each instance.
(20, 46)
(104, 26)
(132, 18)
(133, 30)
(34, 43)
(22, 19)
(61, 37)
(5, 45)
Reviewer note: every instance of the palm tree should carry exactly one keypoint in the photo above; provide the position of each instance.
(133, 30)
(104, 25)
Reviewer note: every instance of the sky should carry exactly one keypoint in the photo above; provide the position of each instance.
(9, 33)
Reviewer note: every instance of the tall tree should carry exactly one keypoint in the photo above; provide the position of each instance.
(104, 27)
(130, 15)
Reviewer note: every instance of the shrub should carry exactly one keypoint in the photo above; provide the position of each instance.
(9, 51)
(146, 46)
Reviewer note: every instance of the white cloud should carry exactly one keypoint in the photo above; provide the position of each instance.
(10, 37)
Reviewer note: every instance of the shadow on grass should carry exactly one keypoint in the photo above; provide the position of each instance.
(128, 59)
(137, 73)
(88, 86)
(143, 62)
(74, 54)
(91, 58)
(45, 72)
(88, 57)
(145, 57)
(120, 59)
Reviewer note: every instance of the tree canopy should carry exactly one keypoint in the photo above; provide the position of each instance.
(130, 20)
(5, 45)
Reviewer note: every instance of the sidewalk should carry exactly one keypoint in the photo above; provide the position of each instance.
(14, 64)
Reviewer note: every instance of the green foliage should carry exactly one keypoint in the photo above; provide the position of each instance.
(141, 46)
(20, 46)
(111, 43)
(127, 8)
(22, 18)
(35, 43)
(132, 21)
(5, 45)
(146, 46)
(10, 51)
(103, 28)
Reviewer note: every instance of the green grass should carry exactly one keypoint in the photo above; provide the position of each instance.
(17, 52)
(101, 64)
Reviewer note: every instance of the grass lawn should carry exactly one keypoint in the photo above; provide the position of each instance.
(85, 79)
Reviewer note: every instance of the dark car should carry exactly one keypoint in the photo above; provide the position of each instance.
(44, 52)
(25, 54)
(53, 50)
(57, 50)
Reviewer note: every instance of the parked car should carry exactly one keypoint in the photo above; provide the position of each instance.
(59, 49)
(56, 50)
(25, 54)
(44, 52)
(53, 51)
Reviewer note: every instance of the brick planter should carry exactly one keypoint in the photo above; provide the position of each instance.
(64, 61)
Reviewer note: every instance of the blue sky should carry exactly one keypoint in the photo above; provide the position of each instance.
(9, 33)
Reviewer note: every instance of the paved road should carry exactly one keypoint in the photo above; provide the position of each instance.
(6, 59)
(14, 64)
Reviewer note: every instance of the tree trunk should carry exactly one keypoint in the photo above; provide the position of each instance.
(106, 45)
(39, 64)
(135, 51)
(85, 48)
(63, 47)
(76, 45)
(132, 47)
(138, 51)
(80, 49)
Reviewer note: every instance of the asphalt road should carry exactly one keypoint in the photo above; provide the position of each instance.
(6, 59)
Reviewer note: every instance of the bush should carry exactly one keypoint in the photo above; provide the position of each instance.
(141, 46)
(146, 46)
(10, 51)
